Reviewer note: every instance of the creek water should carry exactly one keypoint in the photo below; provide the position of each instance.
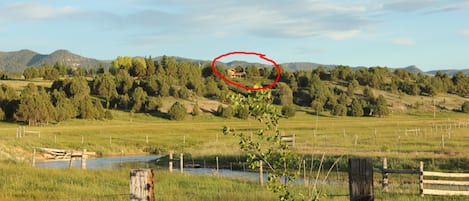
(103, 163)
(150, 161)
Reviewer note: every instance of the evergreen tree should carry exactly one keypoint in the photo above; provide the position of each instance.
(356, 109)
(2, 115)
(139, 97)
(381, 108)
(64, 106)
(285, 94)
(339, 110)
(465, 107)
(151, 68)
(30, 73)
(317, 105)
(288, 110)
(105, 86)
(177, 111)
(153, 104)
(227, 112)
(242, 112)
(195, 110)
(35, 106)
(124, 82)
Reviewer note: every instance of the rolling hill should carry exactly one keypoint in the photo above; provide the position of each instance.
(17, 61)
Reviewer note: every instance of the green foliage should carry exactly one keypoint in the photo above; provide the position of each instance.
(35, 106)
(65, 109)
(49, 73)
(381, 108)
(317, 105)
(139, 97)
(265, 144)
(30, 73)
(219, 110)
(465, 107)
(339, 110)
(227, 112)
(2, 114)
(105, 86)
(288, 110)
(122, 62)
(242, 112)
(356, 109)
(108, 115)
(153, 104)
(195, 110)
(99, 112)
(177, 111)
(285, 94)
(86, 108)
(139, 67)
(184, 93)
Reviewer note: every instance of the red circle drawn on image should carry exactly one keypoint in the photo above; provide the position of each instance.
(262, 56)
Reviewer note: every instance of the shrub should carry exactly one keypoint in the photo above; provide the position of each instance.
(243, 112)
(184, 93)
(108, 115)
(339, 110)
(177, 111)
(228, 112)
(195, 110)
(219, 110)
(153, 103)
(2, 115)
(465, 107)
(288, 110)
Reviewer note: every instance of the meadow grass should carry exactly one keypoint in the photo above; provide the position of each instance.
(201, 138)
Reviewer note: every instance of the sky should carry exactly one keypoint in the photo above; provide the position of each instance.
(431, 34)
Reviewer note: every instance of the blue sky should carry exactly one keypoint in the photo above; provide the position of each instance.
(431, 34)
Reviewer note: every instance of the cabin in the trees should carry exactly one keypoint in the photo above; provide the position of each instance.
(235, 73)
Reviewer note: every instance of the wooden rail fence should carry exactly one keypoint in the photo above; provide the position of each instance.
(428, 191)
(425, 191)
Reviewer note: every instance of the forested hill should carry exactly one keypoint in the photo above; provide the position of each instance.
(17, 61)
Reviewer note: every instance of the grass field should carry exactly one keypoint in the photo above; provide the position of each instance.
(202, 136)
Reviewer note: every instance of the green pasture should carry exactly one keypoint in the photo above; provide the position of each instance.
(201, 138)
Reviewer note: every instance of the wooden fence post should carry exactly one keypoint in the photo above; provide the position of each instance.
(442, 142)
(421, 178)
(70, 163)
(217, 164)
(170, 161)
(142, 185)
(261, 173)
(361, 179)
(33, 161)
(181, 162)
(83, 159)
(385, 175)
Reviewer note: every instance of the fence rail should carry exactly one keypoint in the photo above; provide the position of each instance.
(427, 191)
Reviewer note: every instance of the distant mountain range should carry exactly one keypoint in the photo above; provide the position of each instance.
(17, 61)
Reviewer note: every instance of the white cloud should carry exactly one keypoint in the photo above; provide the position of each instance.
(465, 32)
(342, 35)
(403, 41)
(33, 11)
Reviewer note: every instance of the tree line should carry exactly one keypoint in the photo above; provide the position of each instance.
(139, 84)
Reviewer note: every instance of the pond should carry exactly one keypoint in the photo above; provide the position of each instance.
(150, 161)
(103, 163)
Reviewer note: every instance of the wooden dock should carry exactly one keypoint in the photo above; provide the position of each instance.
(58, 154)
